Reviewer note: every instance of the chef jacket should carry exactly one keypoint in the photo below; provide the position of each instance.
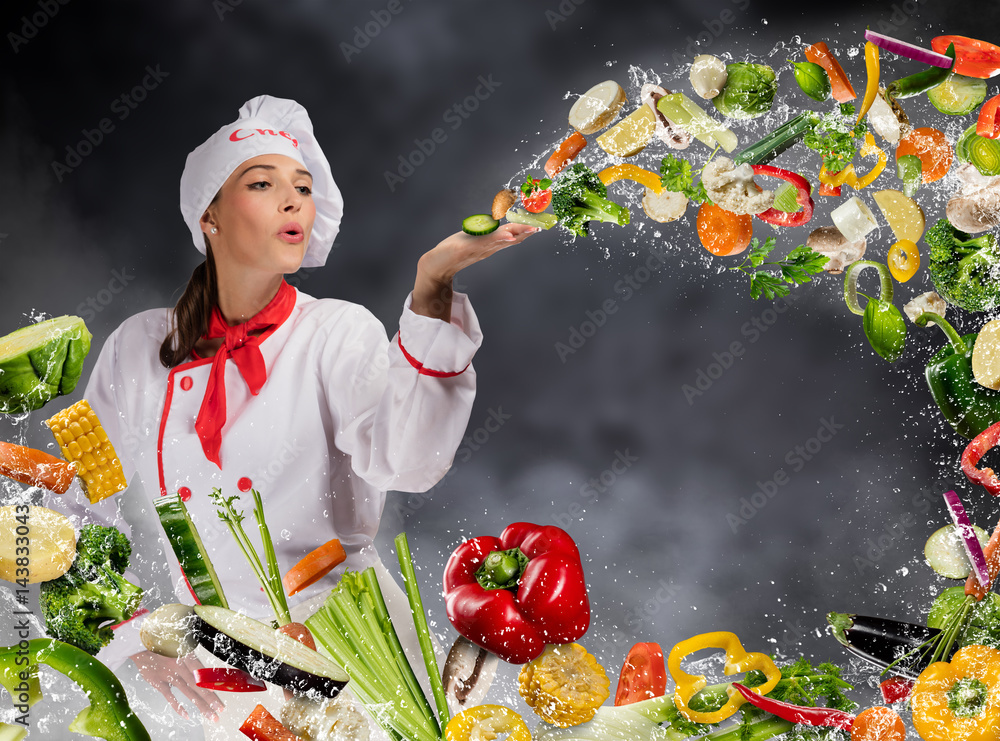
(343, 416)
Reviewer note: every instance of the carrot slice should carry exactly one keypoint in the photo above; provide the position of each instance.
(722, 232)
(819, 53)
(314, 567)
(300, 633)
(933, 149)
(565, 153)
(35, 467)
(260, 725)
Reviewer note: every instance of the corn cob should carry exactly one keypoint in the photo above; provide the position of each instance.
(564, 685)
(83, 441)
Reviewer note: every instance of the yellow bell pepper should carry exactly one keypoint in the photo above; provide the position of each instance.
(631, 172)
(849, 176)
(872, 63)
(960, 700)
(737, 660)
(488, 722)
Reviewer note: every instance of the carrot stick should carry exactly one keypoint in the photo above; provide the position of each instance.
(840, 86)
(992, 552)
(260, 725)
(35, 467)
(565, 153)
(314, 567)
(300, 633)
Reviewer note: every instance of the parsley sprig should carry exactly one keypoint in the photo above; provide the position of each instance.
(676, 175)
(797, 268)
(836, 137)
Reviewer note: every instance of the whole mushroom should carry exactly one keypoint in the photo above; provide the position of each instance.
(829, 241)
(708, 75)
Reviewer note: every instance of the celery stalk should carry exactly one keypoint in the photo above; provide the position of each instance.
(354, 628)
(420, 622)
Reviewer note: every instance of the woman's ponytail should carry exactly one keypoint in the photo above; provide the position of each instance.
(190, 316)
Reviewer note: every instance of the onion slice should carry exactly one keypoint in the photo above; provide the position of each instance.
(969, 539)
(910, 51)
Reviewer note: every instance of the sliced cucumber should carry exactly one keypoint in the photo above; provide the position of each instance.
(265, 654)
(542, 220)
(958, 95)
(480, 224)
(946, 554)
(195, 563)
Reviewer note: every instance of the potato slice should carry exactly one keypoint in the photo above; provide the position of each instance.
(597, 107)
(986, 356)
(905, 217)
(48, 536)
(631, 135)
(665, 206)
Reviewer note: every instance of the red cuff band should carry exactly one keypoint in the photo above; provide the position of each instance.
(420, 366)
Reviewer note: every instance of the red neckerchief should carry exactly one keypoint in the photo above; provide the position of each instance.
(244, 348)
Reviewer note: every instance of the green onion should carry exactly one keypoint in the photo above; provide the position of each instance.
(777, 141)
(355, 629)
(909, 169)
(420, 622)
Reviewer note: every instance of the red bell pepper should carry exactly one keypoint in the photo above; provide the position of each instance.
(896, 689)
(514, 594)
(980, 446)
(260, 725)
(644, 675)
(227, 679)
(803, 198)
(987, 124)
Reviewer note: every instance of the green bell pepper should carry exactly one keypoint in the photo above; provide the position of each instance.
(108, 715)
(967, 406)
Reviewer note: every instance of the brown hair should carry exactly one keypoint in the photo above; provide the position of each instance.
(190, 316)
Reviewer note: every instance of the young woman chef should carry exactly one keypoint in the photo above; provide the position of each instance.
(250, 383)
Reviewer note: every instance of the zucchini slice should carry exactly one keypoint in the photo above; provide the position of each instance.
(195, 563)
(265, 654)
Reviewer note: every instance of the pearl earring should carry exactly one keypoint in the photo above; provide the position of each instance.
(214, 230)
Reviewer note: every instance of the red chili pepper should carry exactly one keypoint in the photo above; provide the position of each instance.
(514, 594)
(896, 689)
(227, 679)
(797, 713)
(802, 197)
(980, 446)
(988, 123)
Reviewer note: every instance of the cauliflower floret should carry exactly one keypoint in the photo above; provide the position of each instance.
(733, 188)
(325, 720)
(929, 301)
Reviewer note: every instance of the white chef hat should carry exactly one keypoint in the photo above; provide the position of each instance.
(266, 125)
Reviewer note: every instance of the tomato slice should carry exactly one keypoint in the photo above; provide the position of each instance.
(643, 676)
(538, 201)
(227, 679)
(973, 58)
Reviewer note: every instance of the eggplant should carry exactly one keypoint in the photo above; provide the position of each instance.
(265, 654)
(882, 642)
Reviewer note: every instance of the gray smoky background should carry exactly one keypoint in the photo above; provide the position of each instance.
(722, 463)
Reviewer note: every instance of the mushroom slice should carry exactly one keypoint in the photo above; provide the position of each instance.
(666, 130)
(829, 241)
(468, 673)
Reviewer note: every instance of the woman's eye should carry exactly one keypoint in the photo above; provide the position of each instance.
(305, 190)
(259, 185)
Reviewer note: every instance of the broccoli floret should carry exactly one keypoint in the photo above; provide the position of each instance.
(579, 197)
(81, 605)
(965, 270)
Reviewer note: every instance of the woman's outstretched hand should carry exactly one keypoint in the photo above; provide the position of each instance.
(432, 289)
(163, 673)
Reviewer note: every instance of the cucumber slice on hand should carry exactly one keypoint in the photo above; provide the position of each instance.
(946, 554)
(480, 224)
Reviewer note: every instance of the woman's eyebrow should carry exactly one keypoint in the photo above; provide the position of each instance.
(272, 167)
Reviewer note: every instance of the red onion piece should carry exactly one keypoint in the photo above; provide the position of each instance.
(904, 49)
(972, 546)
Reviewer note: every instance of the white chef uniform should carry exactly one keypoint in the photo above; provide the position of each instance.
(343, 416)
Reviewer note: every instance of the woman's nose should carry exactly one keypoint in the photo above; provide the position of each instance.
(292, 200)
